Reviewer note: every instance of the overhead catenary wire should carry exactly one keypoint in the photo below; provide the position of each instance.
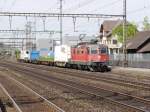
(77, 16)
(10, 22)
(44, 21)
(141, 9)
(106, 5)
(77, 26)
(79, 5)
(138, 10)
(61, 22)
(12, 4)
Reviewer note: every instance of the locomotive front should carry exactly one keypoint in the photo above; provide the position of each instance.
(98, 57)
(90, 56)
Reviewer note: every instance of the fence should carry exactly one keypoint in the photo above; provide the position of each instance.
(138, 60)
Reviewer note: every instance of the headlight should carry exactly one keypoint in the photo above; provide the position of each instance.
(99, 57)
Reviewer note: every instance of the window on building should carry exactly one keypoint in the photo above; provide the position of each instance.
(114, 41)
(108, 41)
(104, 41)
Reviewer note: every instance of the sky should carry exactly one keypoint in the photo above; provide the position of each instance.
(136, 11)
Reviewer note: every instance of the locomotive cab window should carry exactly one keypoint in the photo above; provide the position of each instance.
(103, 50)
(93, 51)
(88, 50)
(78, 51)
(74, 51)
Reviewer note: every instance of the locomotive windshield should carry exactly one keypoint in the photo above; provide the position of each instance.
(94, 50)
(98, 49)
(103, 50)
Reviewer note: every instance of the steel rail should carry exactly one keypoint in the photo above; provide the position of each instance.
(23, 70)
(122, 82)
(144, 100)
(63, 83)
(109, 80)
(133, 84)
(12, 100)
(58, 109)
(140, 85)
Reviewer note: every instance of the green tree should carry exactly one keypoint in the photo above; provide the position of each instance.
(146, 23)
(131, 30)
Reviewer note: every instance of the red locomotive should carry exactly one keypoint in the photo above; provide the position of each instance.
(90, 56)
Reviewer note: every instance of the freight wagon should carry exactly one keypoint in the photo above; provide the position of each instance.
(46, 57)
(34, 56)
(62, 55)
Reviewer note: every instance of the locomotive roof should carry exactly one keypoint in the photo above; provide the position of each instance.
(89, 45)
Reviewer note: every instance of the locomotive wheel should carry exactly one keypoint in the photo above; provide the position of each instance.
(95, 68)
(71, 66)
(108, 69)
(105, 69)
(68, 65)
(74, 66)
(79, 67)
(83, 67)
(101, 68)
(92, 68)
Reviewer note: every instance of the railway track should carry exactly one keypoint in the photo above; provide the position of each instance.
(105, 77)
(7, 99)
(23, 98)
(101, 77)
(121, 99)
(67, 98)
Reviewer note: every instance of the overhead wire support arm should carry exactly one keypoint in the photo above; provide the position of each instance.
(44, 20)
(10, 22)
(1, 38)
(60, 15)
(23, 31)
(61, 22)
(74, 24)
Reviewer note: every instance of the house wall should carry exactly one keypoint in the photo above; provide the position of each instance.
(112, 43)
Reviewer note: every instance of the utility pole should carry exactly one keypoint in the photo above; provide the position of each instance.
(125, 32)
(28, 36)
(61, 23)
